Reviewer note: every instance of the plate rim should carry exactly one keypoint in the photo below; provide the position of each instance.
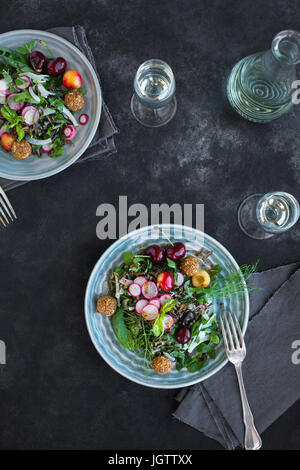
(88, 288)
(98, 107)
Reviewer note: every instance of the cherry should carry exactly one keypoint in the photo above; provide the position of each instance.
(56, 66)
(37, 60)
(156, 252)
(165, 281)
(175, 252)
(183, 335)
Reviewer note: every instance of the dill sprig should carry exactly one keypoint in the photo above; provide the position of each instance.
(234, 283)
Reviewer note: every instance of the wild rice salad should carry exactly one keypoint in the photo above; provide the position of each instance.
(38, 98)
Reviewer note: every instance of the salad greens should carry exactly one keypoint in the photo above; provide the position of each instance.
(32, 103)
(184, 326)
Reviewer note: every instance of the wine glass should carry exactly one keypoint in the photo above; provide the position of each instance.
(153, 103)
(262, 216)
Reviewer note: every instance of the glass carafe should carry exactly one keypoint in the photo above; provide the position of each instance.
(259, 87)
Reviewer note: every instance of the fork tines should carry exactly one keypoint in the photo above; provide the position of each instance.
(232, 335)
(7, 213)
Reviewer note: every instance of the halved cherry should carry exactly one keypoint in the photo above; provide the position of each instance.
(7, 141)
(72, 79)
(165, 281)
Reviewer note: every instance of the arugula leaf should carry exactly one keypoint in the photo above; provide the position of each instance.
(195, 364)
(11, 116)
(171, 264)
(20, 132)
(24, 96)
(128, 257)
(158, 326)
(121, 331)
(27, 48)
(57, 149)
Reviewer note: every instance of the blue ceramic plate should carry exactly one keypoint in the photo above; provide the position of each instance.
(34, 168)
(100, 329)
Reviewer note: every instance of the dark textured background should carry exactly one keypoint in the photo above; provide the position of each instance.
(56, 392)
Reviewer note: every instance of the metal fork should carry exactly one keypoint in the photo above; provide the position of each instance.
(7, 213)
(236, 353)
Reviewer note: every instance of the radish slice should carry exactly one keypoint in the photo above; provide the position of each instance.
(26, 83)
(43, 91)
(31, 115)
(149, 290)
(140, 280)
(155, 301)
(33, 141)
(139, 306)
(14, 105)
(150, 312)
(2, 99)
(68, 113)
(179, 279)
(83, 119)
(168, 322)
(134, 290)
(70, 132)
(164, 298)
(47, 148)
(33, 95)
(4, 87)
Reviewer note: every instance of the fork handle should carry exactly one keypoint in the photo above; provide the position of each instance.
(252, 438)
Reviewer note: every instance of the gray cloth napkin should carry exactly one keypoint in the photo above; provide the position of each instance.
(103, 143)
(272, 381)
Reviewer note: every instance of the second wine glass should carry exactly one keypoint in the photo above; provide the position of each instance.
(153, 103)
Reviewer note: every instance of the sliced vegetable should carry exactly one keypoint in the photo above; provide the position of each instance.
(31, 115)
(165, 298)
(149, 290)
(134, 290)
(4, 87)
(14, 105)
(150, 312)
(83, 119)
(34, 95)
(47, 148)
(179, 279)
(37, 77)
(70, 132)
(68, 113)
(33, 141)
(26, 82)
(155, 301)
(139, 306)
(168, 321)
(42, 90)
(140, 280)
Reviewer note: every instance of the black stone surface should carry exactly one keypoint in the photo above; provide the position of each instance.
(56, 392)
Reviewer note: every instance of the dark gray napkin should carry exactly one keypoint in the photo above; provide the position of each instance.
(272, 381)
(103, 143)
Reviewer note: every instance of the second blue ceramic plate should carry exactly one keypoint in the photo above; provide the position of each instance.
(100, 329)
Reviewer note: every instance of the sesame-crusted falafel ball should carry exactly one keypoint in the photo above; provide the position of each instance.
(74, 100)
(190, 265)
(162, 365)
(106, 305)
(21, 150)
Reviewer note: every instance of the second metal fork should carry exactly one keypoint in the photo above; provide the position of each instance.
(236, 353)
(7, 212)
